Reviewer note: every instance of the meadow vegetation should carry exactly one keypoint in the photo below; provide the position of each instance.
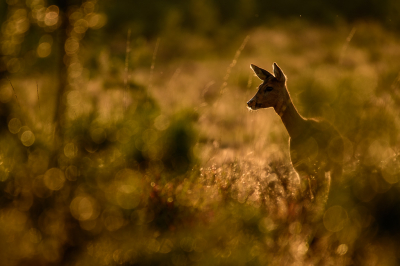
(139, 149)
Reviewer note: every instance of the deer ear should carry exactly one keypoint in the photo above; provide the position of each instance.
(261, 73)
(279, 75)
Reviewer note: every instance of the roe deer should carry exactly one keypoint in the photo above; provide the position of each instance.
(316, 148)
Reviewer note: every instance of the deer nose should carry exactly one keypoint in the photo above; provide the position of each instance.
(250, 103)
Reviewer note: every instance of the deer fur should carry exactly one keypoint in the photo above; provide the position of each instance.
(316, 147)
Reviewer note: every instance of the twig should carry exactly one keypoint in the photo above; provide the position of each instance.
(250, 80)
(14, 92)
(174, 76)
(234, 61)
(346, 44)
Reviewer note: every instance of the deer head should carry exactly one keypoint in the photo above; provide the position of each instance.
(272, 92)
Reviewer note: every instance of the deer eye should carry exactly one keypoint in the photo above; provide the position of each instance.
(269, 89)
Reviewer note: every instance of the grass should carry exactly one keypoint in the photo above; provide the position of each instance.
(178, 173)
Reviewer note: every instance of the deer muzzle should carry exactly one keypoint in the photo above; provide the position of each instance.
(251, 104)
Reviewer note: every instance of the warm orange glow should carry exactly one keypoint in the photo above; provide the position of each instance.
(14, 125)
(70, 150)
(27, 138)
(84, 208)
(97, 21)
(14, 65)
(71, 173)
(98, 135)
(44, 49)
(54, 179)
(335, 218)
(112, 219)
(51, 17)
(89, 7)
(71, 46)
(81, 26)
(121, 148)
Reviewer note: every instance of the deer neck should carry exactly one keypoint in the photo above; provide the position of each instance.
(295, 124)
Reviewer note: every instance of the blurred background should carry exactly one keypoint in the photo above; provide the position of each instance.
(125, 137)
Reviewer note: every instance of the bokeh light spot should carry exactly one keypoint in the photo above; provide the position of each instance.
(97, 21)
(88, 7)
(266, 225)
(54, 179)
(71, 46)
(51, 249)
(71, 173)
(342, 249)
(81, 26)
(380, 150)
(335, 218)
(44, 49)
(98, 135)
(21, 21)
(46, 38)
(161, 122)
(128, 198)
(364, 192)
(302, 248)
(150, 136)
(74, 98)
(14, 125)
(14, 65)
(295, 228)
(5, 94)
(75, 16)
(70, 150)
(14, 219)
(391, 170)
(112, 219)
(129, 188)
(4, 172)
(187, 244)
(153, 245)
(166, 246)
(75, 69)
(27, 138)
(8, 48)
(34, 235)
(84, 208)
(51, 17)
(39, 13)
